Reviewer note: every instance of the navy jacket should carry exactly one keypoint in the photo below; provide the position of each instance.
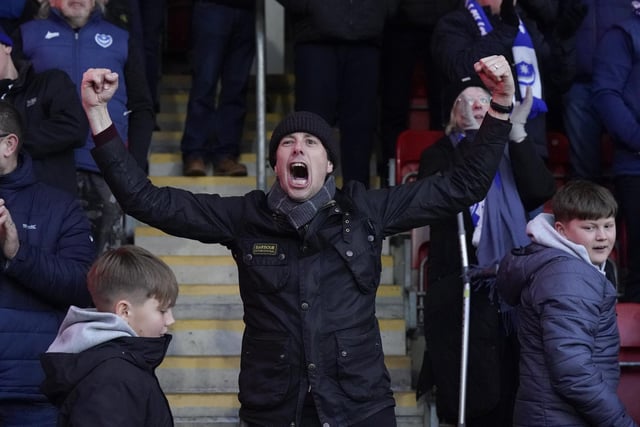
(309, 294)
(45, 277)
(568, 337)
(616, 89)
(601, 15)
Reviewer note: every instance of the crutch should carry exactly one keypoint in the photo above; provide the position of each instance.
(466, 302)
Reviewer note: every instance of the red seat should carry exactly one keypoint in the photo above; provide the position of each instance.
(409, 146)
(629, 328)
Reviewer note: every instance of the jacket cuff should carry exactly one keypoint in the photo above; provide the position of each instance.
(105, 136)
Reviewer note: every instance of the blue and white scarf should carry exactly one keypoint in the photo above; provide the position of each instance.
(524, 56)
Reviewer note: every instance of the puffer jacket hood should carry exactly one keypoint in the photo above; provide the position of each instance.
(519, 265)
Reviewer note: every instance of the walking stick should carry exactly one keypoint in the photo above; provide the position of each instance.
(466, 300)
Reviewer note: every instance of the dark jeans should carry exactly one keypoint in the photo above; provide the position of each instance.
(152, 16)
(223, 47)
(403, 48)
(340, 83)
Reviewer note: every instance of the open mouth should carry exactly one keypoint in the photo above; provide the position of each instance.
(298, 171)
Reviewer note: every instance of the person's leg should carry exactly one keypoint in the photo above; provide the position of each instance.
(27, 414)
(584, 130)
(232, 107)
(398, 59)
(358, 92)
(152, 17)
(316, 87)
(210, 27)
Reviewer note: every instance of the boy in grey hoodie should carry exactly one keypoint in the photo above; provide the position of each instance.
(100, 368)
(566, 313)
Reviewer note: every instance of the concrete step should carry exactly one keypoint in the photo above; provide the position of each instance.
(221, 269)
(219, 374)
(168, 141)
(223, 185)
(221, 410)
(170, 164)
(170, 120)
(273, 83)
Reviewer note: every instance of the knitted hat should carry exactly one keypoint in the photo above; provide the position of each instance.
(4, 38)
(304, 121)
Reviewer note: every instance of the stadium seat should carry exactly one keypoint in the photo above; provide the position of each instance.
(629, 327)
(409, 146)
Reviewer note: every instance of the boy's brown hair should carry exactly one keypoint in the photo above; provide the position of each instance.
(581, 199)
(133, 273)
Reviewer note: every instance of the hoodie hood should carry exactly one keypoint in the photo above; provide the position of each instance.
(517, 267)
(84, 328)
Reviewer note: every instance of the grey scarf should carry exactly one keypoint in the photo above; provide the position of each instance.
(300, 213)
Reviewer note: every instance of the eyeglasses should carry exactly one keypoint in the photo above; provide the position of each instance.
(482, 100)
(2, 135)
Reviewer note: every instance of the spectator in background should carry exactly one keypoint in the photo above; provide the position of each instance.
(73, 36)
(405, 44)
(616, 89)
(582, 123)
(493, 227)
(144, 19)
(337, 65)
(566, 311)
(52, 113)
(100, 369)
(46, 249)
(222, 51)
(499, 27)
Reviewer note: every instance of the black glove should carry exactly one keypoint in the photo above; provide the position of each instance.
(508, 13)
(570, 18)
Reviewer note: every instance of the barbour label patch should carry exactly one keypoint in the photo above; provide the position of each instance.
(265, 249)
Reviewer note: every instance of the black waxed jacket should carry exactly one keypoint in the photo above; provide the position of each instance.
(308, 294)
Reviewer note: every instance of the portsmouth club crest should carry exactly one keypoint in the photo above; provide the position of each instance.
(103, 40)
(526, 73)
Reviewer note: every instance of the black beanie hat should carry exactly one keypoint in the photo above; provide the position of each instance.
(308, 122)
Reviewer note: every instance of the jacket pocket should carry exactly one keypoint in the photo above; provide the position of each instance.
(263, 264)
(361, 371)
(265, 371)
(362, 258)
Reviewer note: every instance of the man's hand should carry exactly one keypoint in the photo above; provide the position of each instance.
(495, 73)
(9, 241)
(97, 89)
